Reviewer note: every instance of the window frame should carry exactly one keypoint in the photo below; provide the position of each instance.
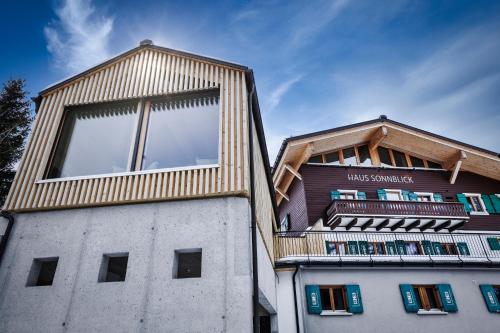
(143, 108)
(423, 298)
(399, 192)
(330, 289)
(481, 202)
(344, 192)
(337, 246)
(425, 194)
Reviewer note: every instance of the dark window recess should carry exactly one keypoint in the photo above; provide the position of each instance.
(417, 162)
(188, 264)
(338, 299)
(316, 159)
(42, 272)
(385, 157)
(113, 267)
(399, 158)
(434, 165)
(325, 299)
(364, 155)
(349, 156)
(332, 158)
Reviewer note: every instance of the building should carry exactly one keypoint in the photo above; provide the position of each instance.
(143, 202)
(385, 228)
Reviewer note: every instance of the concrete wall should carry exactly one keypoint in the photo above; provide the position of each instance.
(383, 305)
(150, 299)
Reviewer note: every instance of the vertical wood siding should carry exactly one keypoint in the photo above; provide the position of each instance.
(147, 72)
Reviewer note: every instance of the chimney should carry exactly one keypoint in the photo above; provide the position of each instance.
(145, 42)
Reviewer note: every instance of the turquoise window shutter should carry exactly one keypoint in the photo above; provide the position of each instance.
(496, 202)
(493, 243)
(381, 194)
(406, 195)
(427, 247)
(335, 195)
(354, 302)
(447, 298)
(353, 247)
(361, 196)
(363, 247)
(463, 249)
(461, 198)
(330, 247)
(391, 248)
(438, 197)
(438, 249)
(409, 299)
(488, 204)
(413, 196)
(401, 247)
(313, 299)
(490, 297)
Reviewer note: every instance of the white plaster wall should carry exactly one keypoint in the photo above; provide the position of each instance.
(267, 280)
(383, 306)
(150, 299)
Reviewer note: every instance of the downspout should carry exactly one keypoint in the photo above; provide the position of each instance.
(297, 326)
(255, 272)
(5, 238)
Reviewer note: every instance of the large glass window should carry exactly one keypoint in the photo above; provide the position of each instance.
(349, 156)
(364, 155)
(399, 159)
(385, 157)
(182, 133)
(95, 140)
(417, 162)
(332, 158)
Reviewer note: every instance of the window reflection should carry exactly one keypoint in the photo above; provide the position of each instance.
(349, 156)
(182, 133)
(95, 140)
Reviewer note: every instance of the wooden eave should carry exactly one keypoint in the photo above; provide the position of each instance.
(418, 143)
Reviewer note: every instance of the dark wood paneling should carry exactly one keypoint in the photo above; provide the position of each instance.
(296, 207)
(319, 180)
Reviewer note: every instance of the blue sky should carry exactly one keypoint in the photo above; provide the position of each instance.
(318, 64)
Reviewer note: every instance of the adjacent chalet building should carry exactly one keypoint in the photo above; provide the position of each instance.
(386, 227)
(143, 202)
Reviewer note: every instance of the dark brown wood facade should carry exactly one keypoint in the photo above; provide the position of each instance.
(310, 196)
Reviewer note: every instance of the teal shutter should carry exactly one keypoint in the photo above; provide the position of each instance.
(330, 247)
(427, 247)
(495, 202)
(401, 247)
(354, 302)
(490, 297)
(494, 243)
(353, 247)
(463, 249)
(438, 249)
(361, 196)
(391, 248)
(488, 204)
(438, 197)
(382, 195)
(335, 195)
(363, 247)
(313, 299)
(409, 299)
(461, 198)
(406, 195)
(413, 196)
(447, 298)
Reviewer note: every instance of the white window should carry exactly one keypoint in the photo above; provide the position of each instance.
(394, 195)
(424, 196)
(285, 223)
(348, 194)
(476, 203)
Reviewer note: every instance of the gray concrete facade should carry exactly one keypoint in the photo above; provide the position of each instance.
(150, 299)
(383, 306)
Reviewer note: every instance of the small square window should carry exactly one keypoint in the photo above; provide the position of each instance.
(113, 267)
(42, 272)
(187, 264)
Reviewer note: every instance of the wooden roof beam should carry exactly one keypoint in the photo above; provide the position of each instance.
(454, 163)
(306, 154)
(283, 194)
(378, 137)
(293, 171)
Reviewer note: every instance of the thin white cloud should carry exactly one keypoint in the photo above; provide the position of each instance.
(79, 37)
(276, 95)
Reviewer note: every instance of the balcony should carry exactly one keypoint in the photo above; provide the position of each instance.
(408, 215)
(386, 248)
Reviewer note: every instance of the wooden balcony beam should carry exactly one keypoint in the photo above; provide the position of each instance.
(442, 226)
(454, 163)
(457, 226)
(428, 225)
(280, 192)
(351, 224)
(378, 137)
(412, 225)
(397, 225)
(367, 224)
(293, 171)
(382, 224)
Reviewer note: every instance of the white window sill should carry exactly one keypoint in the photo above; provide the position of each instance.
(431, 312)
(479, 213)
(335, 313)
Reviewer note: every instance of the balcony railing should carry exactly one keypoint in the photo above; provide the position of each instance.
(386, 248)
(396, 214)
